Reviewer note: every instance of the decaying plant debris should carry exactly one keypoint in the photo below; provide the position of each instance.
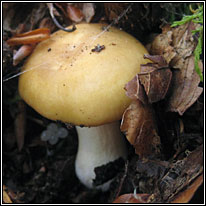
(138, 124)
(163, 125)
(177, 45)
(173, 183)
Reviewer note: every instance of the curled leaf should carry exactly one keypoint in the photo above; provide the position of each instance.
(30, 37)
(183, 43)
(33, 32)
(160, 61)
(135, 90)
(177, 46)
(138, 124)
(23, 52)
(152, 83)
(162, 45)
(185, 89)
(74, 13)
(155, 77)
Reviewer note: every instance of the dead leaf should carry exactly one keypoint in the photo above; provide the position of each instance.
(88, 11)
(138, 124)
(9, 196)
(37, 14)
(183, 43)
(185, 89)
(63, 7)
(155, 77)
(162, 46)
(132, 198)
(153, 81)
(6, 198)
(113, 10)
(157, 84)
(176, 45)
(158, 61)
(29, 37)
(75, 14)
(29, 17)
(23, 52)
(135, 90)
(47, 23)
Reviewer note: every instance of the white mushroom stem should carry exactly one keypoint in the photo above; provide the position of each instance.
(98, 146)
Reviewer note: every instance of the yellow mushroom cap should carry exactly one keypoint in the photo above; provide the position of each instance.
(66, 80)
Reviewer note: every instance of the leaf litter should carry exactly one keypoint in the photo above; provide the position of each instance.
(171, 77)
(177, 46)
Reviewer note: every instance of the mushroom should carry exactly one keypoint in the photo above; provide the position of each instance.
(79, 78)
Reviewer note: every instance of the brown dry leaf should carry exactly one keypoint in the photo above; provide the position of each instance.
(162, 45)
(132, 198)
(138, 120)
(47, 23)
(63, 7)
(30, 37)
(6, 198)
(183, 43)
(135, 90)
(88, 11)
(72, 12)
(186, 195)
(138, 124)
(16, 14)
(9, 196)
(155, 77)
(185, 90)
(113, 10)
(75, 14)
(176, 45)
